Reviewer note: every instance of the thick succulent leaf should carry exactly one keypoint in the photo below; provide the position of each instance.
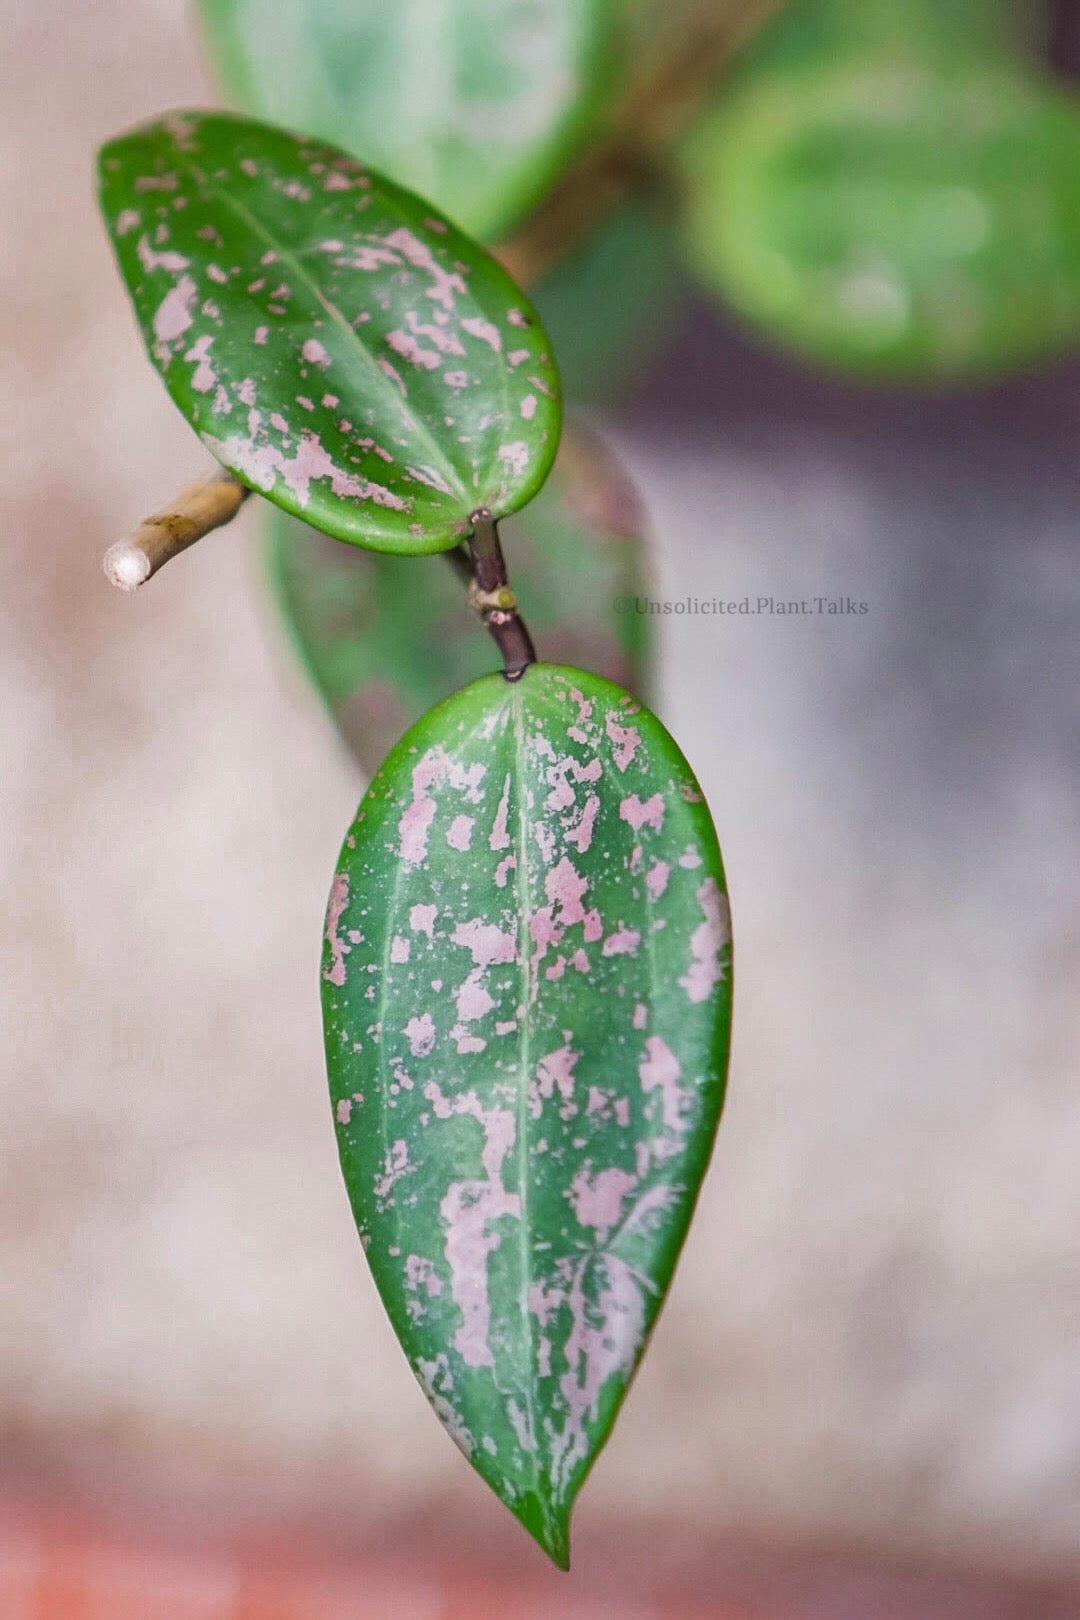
(383, 645)
(526, 996)
(339, 345)
(474, 103)
(905, 203)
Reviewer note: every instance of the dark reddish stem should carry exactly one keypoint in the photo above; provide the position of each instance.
(494, 599)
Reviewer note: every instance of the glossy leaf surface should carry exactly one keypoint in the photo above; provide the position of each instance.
(887, 191)
(384, 642)
(526, 996)
(473, 103)
(338, 345)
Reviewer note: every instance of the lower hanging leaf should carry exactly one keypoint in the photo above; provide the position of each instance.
(526, 994)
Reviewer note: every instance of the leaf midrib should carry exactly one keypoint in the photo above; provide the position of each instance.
(384, 388)
(524, 901)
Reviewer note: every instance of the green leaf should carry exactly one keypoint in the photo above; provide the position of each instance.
(526, 996)
(382, 646)
(810, 32)
(899, 200)
(339, 345)
(476, 104)
(610, 304)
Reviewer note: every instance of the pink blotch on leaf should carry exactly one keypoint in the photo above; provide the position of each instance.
(469, 1212)
(656, 879)
(204, 376)
(625, 741)
(339, 899)
(647, 814)
(422, 920)
(445, 284)
(420, 1034)
(411, 349)
(479, 328)
(500, 838)
(487, 942)
(472, 1000)
(555, 1072)
(706, 943)
(315, 354)
(660, 1069)
(564, 887)
(581, 835)
(173, 316)
(503, 870)
(598, 1203)
(459, 833)
(416, 818)
(421, 1273)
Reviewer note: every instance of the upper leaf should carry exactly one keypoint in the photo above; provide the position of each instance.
(382, 652)
(338, 344)
(473, 103)
(526, 998)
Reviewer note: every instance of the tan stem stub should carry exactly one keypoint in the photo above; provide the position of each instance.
(196, 510)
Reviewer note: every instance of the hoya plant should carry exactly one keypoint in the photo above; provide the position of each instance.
(526, 970)
(525, 986)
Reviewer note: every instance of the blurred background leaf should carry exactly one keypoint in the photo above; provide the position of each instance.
(664, 28)
(475, 104)
(384, 638)
(609, 306)
(802, 31)
(892, 189)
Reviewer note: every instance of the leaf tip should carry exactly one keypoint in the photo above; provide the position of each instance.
(549, 1525)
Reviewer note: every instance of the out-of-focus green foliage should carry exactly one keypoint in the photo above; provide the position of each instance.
(891, 188)
(806, 32)
(476, 104)
(609, 305)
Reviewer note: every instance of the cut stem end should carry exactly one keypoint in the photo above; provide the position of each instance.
(197, 510)
(126, 565)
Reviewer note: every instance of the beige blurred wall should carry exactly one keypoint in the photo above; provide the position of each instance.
(874, 1334)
